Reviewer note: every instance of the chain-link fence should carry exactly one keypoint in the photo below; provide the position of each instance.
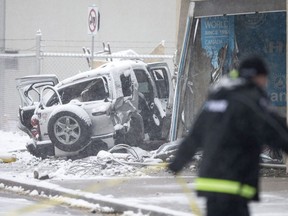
(15, 65)
(64, 66)
(11, 67)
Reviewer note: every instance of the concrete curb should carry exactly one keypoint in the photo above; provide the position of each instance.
(103, 201)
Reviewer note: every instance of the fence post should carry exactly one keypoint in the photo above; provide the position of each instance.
(38, 51)
(2, 65)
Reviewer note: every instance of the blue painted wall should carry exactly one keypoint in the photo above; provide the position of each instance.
(263, 34)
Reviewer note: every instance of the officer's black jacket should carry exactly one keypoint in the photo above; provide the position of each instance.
(235, 122)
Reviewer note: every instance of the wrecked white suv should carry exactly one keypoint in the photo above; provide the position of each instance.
(118, 102)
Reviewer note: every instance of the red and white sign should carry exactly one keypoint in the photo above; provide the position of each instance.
(93, 20)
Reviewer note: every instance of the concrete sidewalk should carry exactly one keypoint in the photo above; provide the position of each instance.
(76, 189)
(158, 195)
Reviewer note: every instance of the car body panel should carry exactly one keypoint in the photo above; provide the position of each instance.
(29, 88)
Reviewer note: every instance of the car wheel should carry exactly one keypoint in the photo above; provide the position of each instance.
(68, 131)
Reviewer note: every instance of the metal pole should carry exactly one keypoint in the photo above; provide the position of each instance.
(92, 52)
(2, 65)
(2, 25)
(38, 51)
(177, 101)
(285, 155)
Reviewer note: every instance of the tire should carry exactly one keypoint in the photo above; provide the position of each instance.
(68, 131)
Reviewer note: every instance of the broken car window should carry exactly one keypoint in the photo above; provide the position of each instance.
(126, 85)
(161, 80)
(90, 90)
(96, 90)
(145, 86)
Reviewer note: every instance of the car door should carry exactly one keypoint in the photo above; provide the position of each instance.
(129, 124)
(29, 89)
(161, 78)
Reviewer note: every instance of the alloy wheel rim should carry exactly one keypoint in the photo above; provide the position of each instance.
(67, 130)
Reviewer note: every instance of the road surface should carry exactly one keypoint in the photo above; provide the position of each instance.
(167, 192)
(12, 204)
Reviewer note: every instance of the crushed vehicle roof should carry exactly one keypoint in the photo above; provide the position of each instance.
(106, 69)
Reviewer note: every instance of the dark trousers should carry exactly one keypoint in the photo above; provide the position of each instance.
(227, 206)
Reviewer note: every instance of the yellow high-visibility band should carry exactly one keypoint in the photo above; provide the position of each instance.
(225, 186)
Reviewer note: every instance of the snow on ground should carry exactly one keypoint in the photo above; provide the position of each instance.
(28, 168)
(11, 141)
(104, 164)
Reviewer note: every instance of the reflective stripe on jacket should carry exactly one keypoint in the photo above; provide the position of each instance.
(225, 186)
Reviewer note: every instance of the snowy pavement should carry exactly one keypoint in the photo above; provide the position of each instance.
(11, 201)
(108, 183)
(33, 176)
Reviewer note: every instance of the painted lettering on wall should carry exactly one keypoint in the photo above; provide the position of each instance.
(216, 33)
(265, 34)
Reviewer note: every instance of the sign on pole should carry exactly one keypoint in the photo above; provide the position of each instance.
(93, 20)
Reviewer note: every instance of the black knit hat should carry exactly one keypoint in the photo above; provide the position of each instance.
(252, 66)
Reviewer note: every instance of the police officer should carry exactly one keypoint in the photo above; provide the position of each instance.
(235, 122)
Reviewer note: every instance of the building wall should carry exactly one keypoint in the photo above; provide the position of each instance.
(124, 24)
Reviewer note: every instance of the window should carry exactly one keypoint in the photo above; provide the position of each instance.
(126, 85)
(143, 81)
(91, 90)
(161, 81)
(144, 85)
(95, 90)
